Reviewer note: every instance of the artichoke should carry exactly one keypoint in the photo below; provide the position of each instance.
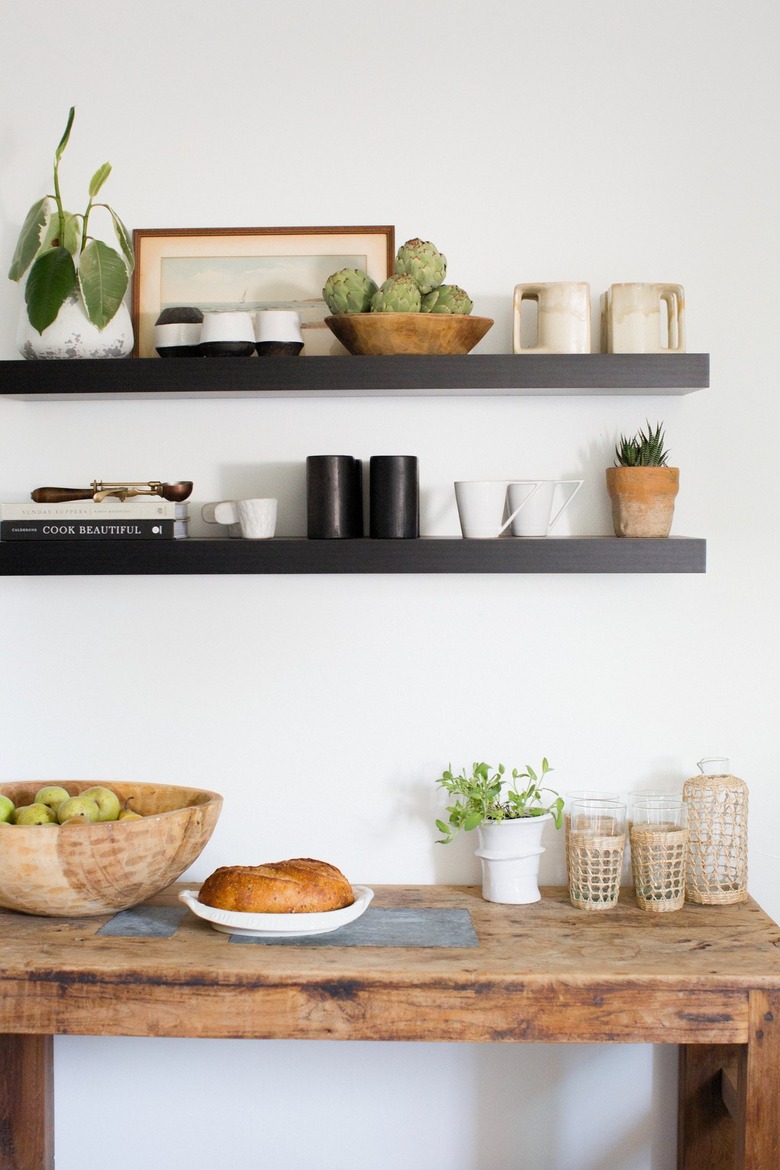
(399, 294)
(424, 262)
(447, 298)
(349, 291)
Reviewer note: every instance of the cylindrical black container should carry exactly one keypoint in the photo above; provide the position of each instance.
(394, 497)
(334, 496)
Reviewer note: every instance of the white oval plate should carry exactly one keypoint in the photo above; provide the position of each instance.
(278, 925)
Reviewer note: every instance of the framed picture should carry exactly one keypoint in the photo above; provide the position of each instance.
(251, 268)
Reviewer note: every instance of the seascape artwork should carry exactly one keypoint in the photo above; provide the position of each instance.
(214, 283)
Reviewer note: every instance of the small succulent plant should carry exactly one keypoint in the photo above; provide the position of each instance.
(398, 294)
(423, 261)
(644, 449)
(447, 298)
(349, 291)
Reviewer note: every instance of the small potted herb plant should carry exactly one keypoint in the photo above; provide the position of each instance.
(641, 486)
(509, 814)
(76, 283)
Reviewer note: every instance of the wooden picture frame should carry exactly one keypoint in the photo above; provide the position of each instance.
(252, 268)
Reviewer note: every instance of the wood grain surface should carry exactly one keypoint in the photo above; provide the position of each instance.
(540, 972)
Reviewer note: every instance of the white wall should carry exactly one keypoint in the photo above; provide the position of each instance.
(578, 139)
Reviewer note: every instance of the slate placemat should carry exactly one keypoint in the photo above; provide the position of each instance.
(145, 922)
(415, 927)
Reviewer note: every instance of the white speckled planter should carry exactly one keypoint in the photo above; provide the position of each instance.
(72, 335)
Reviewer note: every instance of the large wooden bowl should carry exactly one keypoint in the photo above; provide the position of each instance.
(419, 333)
(82, 869)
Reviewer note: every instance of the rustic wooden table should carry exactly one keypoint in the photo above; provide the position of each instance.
(705, 978)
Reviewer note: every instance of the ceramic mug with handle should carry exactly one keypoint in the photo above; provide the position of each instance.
(562, 317)
(538, 517)
(481, 505)
(643, 318)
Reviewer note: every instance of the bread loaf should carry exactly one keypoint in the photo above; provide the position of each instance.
(299, 886)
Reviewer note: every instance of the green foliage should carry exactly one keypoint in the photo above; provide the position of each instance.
(486, 794)
(644, 449)
(63, 259)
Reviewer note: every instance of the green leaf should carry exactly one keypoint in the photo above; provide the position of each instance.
(98, 179)
(71, 236)
(51, 281)
(66, 135)
(103, 282)
(30, 238)
(472, 819)
(125, 243)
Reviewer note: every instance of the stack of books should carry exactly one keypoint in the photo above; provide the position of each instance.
(139, 518)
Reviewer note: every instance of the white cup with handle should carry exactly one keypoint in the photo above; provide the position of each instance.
(562, 317)
(481, 504)
(643, 318)
(538, 514)
(251, 519)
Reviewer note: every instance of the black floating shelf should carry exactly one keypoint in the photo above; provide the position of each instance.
(314, 377)
(438, 554)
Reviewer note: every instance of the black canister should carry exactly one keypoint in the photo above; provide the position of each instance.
(394, 506)
(334, 496)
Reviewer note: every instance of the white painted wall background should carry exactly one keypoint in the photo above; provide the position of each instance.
(581, 140)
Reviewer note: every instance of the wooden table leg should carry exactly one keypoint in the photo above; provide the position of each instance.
(26, 1102)
(706, 1132)
(758, 1087)
(729, 1097)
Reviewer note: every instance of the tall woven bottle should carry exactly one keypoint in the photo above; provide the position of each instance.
(717, 808)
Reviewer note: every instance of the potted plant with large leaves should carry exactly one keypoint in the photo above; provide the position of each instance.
(641, 486)
(76, 283)
(509, 818)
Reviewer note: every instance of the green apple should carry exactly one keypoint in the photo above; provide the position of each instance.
(107, 801)
(77, 808)
(52, 795)
(7, 809)
(35, 814)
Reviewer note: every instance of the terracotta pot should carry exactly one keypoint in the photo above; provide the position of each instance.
(642, 499)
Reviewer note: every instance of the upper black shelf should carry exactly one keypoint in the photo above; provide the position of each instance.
(436, 554)
(481, 375)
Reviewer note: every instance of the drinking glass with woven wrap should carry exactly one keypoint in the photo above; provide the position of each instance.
(597, 841)
(717, 809)
(658, 851)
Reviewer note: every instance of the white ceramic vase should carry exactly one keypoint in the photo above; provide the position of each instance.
(72, 335)
(510, 852)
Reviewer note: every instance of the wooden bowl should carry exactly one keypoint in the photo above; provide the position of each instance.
(419, 333)
(73, 870)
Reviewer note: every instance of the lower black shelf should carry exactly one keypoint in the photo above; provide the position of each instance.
(438, 554)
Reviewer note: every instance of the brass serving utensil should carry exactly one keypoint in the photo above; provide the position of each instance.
(100, 490)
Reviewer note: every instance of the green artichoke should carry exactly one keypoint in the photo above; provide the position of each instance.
(447, 298)
(349, 291)
(424, 262)
(399, 294)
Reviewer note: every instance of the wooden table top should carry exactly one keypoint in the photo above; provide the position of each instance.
(541, 972)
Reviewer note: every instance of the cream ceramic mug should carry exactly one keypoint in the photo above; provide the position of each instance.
(562, 317)
(537, 517)
(481, 505)
(643, 318)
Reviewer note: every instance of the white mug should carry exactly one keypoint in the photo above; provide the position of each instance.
(252, 519)
(481, 506)
(643, 318)
(562, 317)
(537, 517)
